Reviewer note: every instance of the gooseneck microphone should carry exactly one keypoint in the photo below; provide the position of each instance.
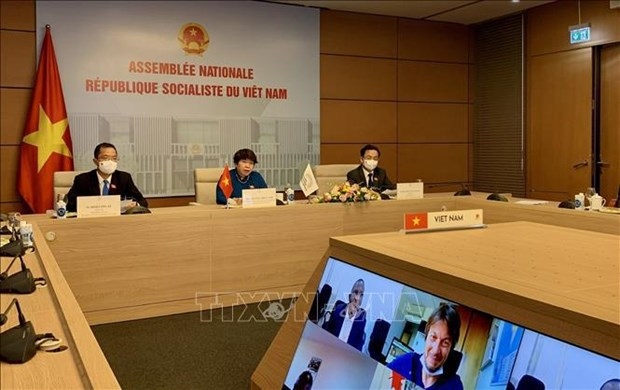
(4, 318)
(17, 344)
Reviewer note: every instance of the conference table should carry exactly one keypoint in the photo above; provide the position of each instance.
(53, 309)
(191, 258)
(183, 259)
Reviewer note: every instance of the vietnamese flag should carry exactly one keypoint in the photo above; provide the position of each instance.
(416, 221)
(224, 183)
(46, 146)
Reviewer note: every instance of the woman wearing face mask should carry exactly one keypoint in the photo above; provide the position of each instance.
(368, 174)
(105, 180)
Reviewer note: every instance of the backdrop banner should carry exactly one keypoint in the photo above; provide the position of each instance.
(184, 84)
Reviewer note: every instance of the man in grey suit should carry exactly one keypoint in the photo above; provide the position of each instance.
(368, 174)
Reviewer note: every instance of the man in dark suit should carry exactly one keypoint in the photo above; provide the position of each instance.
(368, 174)
(348, 320)
(105, 180)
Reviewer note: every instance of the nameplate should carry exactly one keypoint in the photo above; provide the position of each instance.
(409, 190)
(98, 206)
(443, 220)
(258, 197)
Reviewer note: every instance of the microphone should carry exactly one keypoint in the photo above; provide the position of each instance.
(17, 344)
(464, 191)
(21, 282)
(4, 318)
(496, 196)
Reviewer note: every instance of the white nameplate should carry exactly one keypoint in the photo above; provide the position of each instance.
(258, 197)
(443, 220)
(409, 190)
(98, 206)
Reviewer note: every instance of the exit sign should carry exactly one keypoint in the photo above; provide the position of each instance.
(579, 34)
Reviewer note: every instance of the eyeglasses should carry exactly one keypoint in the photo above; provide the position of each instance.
(108, 159)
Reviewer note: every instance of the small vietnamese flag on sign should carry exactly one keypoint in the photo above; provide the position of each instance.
(416, 221)
(46, 146)
(224, 183)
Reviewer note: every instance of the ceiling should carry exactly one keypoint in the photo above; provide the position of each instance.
(455, 11)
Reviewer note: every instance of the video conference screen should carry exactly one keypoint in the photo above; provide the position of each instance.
(366, 331)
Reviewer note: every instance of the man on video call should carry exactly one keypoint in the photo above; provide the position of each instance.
(105, 180)
(428, 370)
(368, 174)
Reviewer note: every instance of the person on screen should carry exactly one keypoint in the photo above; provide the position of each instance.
(426, 369)
(105, 180)
(348, 320)
(242, 177)
(368, 174)
(304, 381)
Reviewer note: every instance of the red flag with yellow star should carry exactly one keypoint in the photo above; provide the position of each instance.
(46, 146)
(224, 183)
(416, 221)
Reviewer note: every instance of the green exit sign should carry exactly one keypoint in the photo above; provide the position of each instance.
(579, 34)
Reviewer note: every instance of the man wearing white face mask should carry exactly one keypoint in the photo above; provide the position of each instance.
(105, 180)
(368, 174)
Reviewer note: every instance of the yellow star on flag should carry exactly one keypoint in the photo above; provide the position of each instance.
(226, 182)
(48, 138)
(416, 221)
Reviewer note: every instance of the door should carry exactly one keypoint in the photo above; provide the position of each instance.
(609, 161)
(559, 118)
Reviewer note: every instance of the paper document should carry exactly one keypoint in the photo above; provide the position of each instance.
(531, 202)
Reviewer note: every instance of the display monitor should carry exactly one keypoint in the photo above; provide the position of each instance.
(376, 333)
(397, 348)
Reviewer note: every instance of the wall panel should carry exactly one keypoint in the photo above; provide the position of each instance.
(432, 41)
(358, 34)
(8, 174)
(548, 25)
(348, 121)
(17, 58)
(433, 163)
(432, 82)
(433, 122)
(14, 103)
(357, 78)
(17, 15)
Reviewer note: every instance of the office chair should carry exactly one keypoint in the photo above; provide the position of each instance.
(329, 175)
(205, 183)
(63, 181)
(317, 310)
(528, 382)
(377, 340)
(453, 362)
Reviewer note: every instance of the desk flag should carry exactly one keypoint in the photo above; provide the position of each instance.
(308, 182)
(416, 221)
(46, 146)
(224, 183)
